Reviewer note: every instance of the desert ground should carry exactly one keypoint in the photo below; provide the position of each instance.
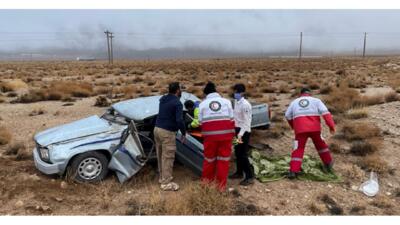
(362, 94)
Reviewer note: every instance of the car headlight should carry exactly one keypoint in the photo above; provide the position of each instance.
(44, 154)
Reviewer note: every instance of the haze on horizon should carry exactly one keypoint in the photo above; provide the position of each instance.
(196, 33)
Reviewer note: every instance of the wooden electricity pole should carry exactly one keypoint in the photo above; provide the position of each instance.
(365, 44)
(301, 45)
(111, 46)
(108, 45)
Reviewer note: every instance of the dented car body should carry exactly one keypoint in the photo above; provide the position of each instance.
(120, 140)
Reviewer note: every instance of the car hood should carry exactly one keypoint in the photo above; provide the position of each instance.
(81, 128)
(141, 108)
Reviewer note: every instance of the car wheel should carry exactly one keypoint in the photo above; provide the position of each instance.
(89, 167)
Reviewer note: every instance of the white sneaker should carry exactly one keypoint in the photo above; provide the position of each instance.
(171, 186)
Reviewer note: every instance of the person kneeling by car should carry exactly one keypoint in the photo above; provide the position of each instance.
(242, 113)
(303, 116)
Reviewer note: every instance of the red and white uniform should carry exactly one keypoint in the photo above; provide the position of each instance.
(218, 130)
(303, 116)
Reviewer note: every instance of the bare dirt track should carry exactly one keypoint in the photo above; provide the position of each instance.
(31, 101)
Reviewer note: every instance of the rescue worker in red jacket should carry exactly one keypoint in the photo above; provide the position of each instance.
(218, 130)
(303, 116)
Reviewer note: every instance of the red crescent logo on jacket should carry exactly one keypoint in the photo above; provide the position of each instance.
(303, 103)
(215, 106)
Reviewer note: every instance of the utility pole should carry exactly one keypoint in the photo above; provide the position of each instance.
(111, 46)
(301, 45)
(108, 45)
(365, 44)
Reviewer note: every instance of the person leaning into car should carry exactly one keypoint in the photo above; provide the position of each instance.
(169, 121)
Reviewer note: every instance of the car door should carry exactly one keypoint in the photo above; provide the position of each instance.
(190, 152)
(128, 157)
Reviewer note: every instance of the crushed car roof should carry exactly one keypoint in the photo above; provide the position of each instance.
(141, 108)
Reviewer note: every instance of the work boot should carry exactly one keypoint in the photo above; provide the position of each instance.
(247, 182)
(171, 186)
(328, 168)
(292, 175)
(236, 176)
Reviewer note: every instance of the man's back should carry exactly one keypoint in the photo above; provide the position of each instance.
(304, 114)
(170, 115)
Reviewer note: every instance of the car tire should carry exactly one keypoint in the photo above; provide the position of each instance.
(88, 167)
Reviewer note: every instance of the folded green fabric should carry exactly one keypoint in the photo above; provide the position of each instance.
(267, 169)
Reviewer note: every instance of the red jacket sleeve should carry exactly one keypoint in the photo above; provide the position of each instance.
(329, 120)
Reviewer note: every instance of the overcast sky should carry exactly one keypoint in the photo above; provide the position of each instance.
(227, 30)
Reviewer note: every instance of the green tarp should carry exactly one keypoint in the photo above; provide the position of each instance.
(268, 169)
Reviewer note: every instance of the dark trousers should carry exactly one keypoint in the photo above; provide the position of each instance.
(242, 156)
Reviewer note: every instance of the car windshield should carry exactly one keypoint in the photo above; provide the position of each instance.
(114, 117)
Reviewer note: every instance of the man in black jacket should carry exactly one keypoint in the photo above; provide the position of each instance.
(169, 121)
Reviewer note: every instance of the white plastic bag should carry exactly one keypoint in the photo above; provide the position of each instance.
(370, 187)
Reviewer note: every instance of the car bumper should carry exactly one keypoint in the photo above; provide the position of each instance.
(45, 167)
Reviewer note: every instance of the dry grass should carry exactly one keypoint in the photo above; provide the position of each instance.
(375, 163)
(317, 208)
(15, 148)
(391, 97)
(360, 131)
(284, 88)
(382, 202)
(369, 100)
(5, 136)
(70, 88)
(335, 148)
(333, 207)
(277, 130)
(13, 85)
(353, 172)
(36, 112)
(357, 210)
(365, 147)
(357, 113)
(342, 99)
(326, 90)
(61, 90)
(193, 199)
(102, 101)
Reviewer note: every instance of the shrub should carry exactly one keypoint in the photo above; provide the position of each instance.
(14, 148)
(357, 113)
(391, 97)
(31, 96)
(5, 136)
(70, 88)
(284, 88)
(13, 85)
(382, 202)
(269, 89)
(325, 90)
(342, 99)
(314, 86)
(363, 148)
(54, 96)
(360, 131)
(193, 199)
(369, 100)
(374, 163)
(102, 101)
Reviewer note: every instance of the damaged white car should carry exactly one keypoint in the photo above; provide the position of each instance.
(120, 140)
